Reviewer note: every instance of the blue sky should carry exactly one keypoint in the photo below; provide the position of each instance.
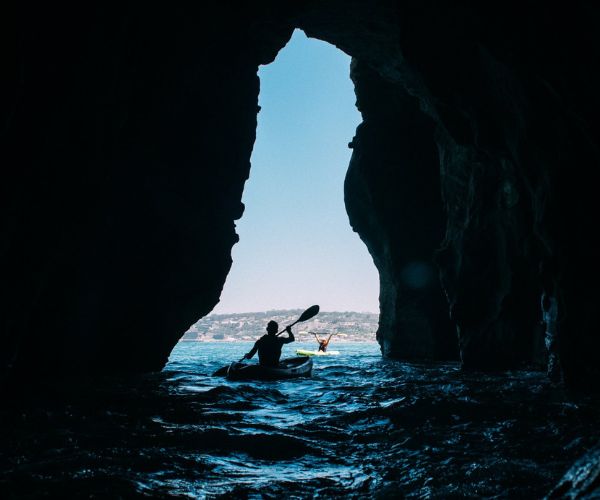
(296, 246)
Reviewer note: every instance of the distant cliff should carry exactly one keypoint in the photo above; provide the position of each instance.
(349, 326)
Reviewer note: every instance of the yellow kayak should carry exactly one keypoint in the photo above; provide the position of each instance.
(305, 352)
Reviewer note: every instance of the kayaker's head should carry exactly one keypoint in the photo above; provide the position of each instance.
(272, 327)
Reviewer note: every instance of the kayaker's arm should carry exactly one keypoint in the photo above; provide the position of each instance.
(316, 336)
(252, 351)
(290, 338)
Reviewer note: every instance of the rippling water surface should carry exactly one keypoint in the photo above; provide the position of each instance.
(361, 426)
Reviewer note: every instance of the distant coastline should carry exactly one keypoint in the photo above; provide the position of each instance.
(348, 326)
(336, 339)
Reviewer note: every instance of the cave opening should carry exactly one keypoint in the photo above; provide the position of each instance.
(296, 245)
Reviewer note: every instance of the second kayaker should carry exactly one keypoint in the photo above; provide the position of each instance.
(269, 345)
(323, 343)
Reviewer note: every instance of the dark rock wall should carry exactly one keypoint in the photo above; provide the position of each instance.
(127, 135)
(511, 93)
(393, 198)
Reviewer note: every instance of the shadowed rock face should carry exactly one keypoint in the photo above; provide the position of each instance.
(393, 198)
(128, 136)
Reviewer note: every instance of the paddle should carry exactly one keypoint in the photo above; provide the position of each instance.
(309, 313)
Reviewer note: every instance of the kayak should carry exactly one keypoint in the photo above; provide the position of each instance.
(304, 352)
(288, 368)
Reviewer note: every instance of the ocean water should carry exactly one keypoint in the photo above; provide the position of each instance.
(360, 427)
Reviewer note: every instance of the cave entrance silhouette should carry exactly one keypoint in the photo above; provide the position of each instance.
(296, 244)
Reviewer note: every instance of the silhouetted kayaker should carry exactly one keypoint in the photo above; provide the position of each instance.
(323, 343)
(269, 345)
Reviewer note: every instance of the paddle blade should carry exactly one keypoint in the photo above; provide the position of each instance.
(309, 313)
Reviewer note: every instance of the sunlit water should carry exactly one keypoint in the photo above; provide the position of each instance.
(361, 426)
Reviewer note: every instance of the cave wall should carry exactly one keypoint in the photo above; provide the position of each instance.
(511, 93)
(517, 137)
(127, 134)
(393, 198)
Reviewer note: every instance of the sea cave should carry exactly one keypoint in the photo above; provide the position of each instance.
(126, 136)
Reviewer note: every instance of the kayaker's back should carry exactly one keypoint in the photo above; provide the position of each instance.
(269, 349)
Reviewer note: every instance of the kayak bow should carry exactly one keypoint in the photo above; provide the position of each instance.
(305, 352)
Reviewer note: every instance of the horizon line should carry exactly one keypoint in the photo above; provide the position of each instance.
(285, 310)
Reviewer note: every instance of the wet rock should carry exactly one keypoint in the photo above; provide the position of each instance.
(582, 480)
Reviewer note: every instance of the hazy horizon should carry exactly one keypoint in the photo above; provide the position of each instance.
(293, 309)
(296, 245)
